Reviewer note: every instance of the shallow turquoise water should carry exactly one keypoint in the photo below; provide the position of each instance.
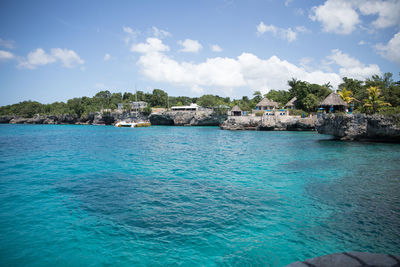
(92, 195)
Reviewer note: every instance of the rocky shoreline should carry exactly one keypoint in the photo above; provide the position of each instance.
(360, 127)
(187, 118)
(92, 118)
(269, 123)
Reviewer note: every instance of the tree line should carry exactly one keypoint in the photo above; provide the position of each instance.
(385, 97)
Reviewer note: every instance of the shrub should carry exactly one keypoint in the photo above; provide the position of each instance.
(259, 113)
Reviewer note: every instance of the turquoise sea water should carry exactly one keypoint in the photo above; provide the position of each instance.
(93, 195)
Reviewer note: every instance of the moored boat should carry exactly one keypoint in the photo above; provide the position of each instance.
(133, 124)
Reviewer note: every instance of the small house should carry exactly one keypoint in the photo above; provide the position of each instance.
(333, 103)
(236, 111)
(267, 105)
(291, 104)
(138, 105)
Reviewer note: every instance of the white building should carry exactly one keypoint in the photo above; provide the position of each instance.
(192, 107)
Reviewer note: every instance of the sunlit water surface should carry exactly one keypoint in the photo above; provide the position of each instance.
(93, 195)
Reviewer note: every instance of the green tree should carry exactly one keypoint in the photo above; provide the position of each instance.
(375, 100)
(346, 95)
(159, 98)
(257, 96)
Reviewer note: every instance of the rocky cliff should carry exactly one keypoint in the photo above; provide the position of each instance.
(190, 118)
(360, 127)
(269, 123)
(92, 118)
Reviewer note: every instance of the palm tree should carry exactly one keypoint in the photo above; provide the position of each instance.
(346, 95)
(374, 101)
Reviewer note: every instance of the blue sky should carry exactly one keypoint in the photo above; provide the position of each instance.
(55, 50)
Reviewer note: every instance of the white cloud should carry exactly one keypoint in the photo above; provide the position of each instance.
(216, 48)
(190, 46)
(336, 16)
(131, 34)
(287, 2)
(69, 58)
(286, 34)
(391, 50)
(5, 55)
(128, 30)
(351, 67)
(107, 57)
(224, 74)
(387, 11)
(151, 45)
(9, 44)
(343, 16)
(39, 57)
(262, 28)
(362, 42)
(160, 33)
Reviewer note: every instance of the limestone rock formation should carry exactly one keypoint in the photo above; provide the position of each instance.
(360, 127)
(190, 118)
(269, 123)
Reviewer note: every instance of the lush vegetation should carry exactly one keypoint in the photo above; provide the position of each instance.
(384, 97)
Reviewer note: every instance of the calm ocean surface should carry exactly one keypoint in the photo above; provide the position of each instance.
(93, 195)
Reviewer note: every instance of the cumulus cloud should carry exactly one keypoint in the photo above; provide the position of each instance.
(343, 16)
(352, 67)
(151, 45)
(216, 48)
(5, 55)
(387, 11)
(190, 46)
(160, 33)
(391, 50)
(39, 57)
(225, 74)
(9, 44)
(336, 16)
(107, 57)
(286, 34)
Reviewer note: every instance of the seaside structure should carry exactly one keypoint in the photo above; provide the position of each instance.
(267, 105)
(192, 107)
(138, 105)
(120, 106)
(333, 103)
(291, 104)
(236, 111)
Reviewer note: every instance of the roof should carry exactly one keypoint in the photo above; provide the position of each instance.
(236, 108)
(291, 102)
(265, 102)
(333, 100)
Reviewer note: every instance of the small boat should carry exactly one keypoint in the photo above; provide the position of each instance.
(133, 124)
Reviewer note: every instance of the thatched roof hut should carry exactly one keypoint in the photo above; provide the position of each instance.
(333, 100)
(266, 104)
(292, 103)
(236, 111)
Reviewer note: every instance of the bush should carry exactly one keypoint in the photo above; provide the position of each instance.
(147, 111)
(389, 111)
(297, 112)
(259, 113)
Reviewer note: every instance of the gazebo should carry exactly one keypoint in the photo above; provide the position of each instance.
(291, 104)
(333, 102)
(236, 111)
(266, 104)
